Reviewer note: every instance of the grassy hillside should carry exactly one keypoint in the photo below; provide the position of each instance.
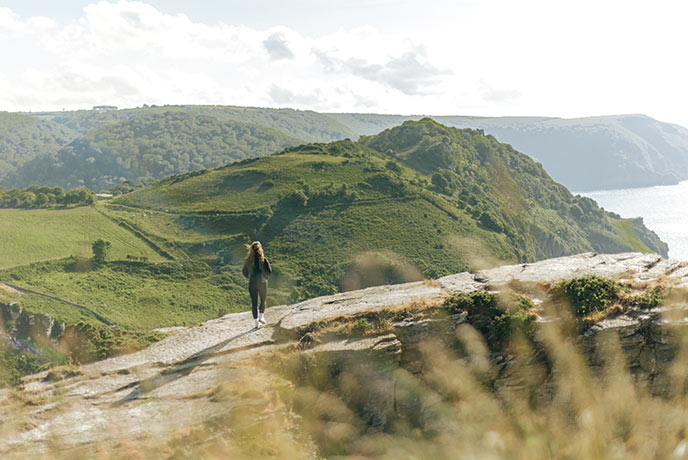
(24, 137)
(44, 234)
(624, 150)
(151, 145)
(414, 200)
(420, 200)
(132, 295)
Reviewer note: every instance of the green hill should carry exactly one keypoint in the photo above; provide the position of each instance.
(626, 150)
(590, 153)
(150, 145)
(23, 138)
(301, 124)
(412, 201)
(418, 201)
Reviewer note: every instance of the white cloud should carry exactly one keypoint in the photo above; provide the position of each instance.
(12, 26)
(495, 57)
(129, 53)
(410, 72)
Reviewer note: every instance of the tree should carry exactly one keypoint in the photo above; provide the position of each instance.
(42, 200)
(100, 250)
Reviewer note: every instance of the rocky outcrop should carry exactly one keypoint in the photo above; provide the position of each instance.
(25, 329)
(196, 374)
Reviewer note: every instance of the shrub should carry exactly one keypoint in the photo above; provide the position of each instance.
(361, 327)
(393, 166)
(494, 317)
(296, 198)
(650, 298)
(490, 222)
(439, 181)
(586, 294)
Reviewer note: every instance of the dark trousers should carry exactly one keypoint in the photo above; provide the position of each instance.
(256, 290)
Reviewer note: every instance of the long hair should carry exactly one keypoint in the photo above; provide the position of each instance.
(255, 253)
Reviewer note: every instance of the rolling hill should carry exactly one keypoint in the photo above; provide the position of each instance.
(418, 200)
(626, 150)
(301, 124)
(584, 154)
(150, 145)
(421, 200)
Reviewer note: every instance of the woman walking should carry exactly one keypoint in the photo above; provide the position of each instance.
(257, 270)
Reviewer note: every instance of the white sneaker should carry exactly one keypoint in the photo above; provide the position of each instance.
(256, 323)
(261, 319)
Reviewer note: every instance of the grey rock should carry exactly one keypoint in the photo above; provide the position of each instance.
(354, 302)
(461, 282)
(175, 376)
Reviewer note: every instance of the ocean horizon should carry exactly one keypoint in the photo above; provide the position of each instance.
(663, 209)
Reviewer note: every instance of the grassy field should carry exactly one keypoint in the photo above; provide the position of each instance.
(28, 236)
(132, 295)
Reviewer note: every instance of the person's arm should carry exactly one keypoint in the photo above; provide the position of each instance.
(244, 271)
(266, 267)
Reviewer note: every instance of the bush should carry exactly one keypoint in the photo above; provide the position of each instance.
(296, 198)
(650, 299)
(495, 318)
(393, 166)
(490, 222)
(439, 181)
(361, 327)
(586, 294)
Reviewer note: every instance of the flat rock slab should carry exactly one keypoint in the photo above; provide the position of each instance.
(605, 265)
(350, 303)
(231, 332)
(461, 282)
(384, 343)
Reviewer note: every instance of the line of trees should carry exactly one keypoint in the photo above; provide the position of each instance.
(38, 196)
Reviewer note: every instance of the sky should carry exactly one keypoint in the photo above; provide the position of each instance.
(440, 57)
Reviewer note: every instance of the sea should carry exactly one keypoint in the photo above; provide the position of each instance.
(664, 209)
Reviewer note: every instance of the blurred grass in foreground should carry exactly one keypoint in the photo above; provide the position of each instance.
(548, 402)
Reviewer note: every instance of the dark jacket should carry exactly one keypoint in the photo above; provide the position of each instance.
(258, 274)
